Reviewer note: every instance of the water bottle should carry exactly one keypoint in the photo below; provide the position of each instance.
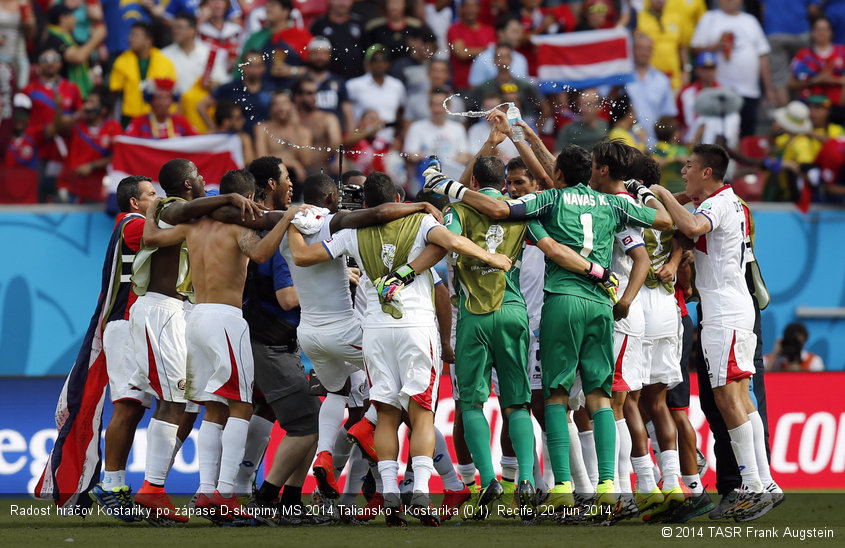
(513, 117)
(434, 161)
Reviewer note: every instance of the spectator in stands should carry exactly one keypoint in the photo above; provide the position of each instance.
(140, 63)
(437, 77)
(445, 138)
(480, 131)
(670, 34)
(820, 68)
(742, 50)
(229, 118)
(393, 29)
(705, 129)
(787, 27)
(217, 31)
(282, 44)
(794, 145)
(346, 32)
(248, 91)
(91, 141)
(534, 21)
(325, 129)
(467, 38)
(18, 20)
(59, 37)
(439, 16)
(789, 353)
(622, 127)
(366, 151)
(55, 100)
(834, 10)
(831, 160)
(823, 128)
(331, 88)
(650, 91)
(160, 123)
(411, 68)
(196, 8)
(379, 91)
(670, 153)
(508, 31)
(20, 186)
(283, 136)
(597, 14)
(505, 83)
(588, 129)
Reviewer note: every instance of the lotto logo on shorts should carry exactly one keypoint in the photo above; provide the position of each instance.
(627, 240)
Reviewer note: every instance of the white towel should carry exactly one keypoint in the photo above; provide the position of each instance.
(311, 220)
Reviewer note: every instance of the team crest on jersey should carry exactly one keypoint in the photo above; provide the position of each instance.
(388, 252)
(181, 384)
(494, 237)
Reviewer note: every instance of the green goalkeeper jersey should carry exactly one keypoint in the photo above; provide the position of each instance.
(586, 221)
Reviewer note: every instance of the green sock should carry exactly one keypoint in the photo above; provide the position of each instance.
(477, 436)
(521, 430)
(557, 436)
(604, 430)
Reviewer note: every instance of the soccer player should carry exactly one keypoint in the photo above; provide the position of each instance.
(157, 322)
(576, 323)
(719, 228)
(401, 344)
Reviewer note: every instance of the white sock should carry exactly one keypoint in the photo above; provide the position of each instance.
(371, 415)
(576, 465)
(330, 419)
(355, 475)
(509, 468)
(443, 463)
(257, 438)
(588, 452)
(176, 447)
(694, 483)
(113, 479)
(645, 478)
(655, 447)
(377, 476)
(670, 466)
(423, 468)
(209, 447)
(161, 439)
(234, 443)
(548, 475)
(760, 448)
(467, 473)
(623, 455)
(341, 452)
(389, 471)
(742, 442)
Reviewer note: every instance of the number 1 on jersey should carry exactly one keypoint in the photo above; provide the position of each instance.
(587, 224)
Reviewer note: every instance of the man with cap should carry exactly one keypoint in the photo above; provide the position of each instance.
(331, 88)
(160, 123)
(377, 90)
(705, 78)
(21, 159)
(61, 24)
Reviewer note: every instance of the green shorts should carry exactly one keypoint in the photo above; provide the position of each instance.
(500, 340)
(576, 334)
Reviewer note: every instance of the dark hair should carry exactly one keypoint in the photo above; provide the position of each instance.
(297, 85)
(713, 156)
(224, 111)
(379, 189)
(253, 51)
(190, 18)
(105, 96)
(146, 27)
(173, 175)
(614, 154)
(645, 168)
(264, 168)
(620, 108)
(316, 187)
(665, 127)
(503, 22)
(518, 163)
(440, 202)
(575, 165)
(400, 191)
(287, 4)
(127, 188)
(344, 179)
(238, 181)
(795, 329)
(55, 13)
(489, 171)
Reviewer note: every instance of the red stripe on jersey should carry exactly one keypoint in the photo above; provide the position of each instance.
(619, 383)
(701, 243)
(231, 389)
(155, 383)
(355, 347)
(734, 372)
(424, 399)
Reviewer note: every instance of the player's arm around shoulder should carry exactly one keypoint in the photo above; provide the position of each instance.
(261, 249)
(380, 214)
(161, 237)
(441, 236)
(304, 254)
(689, 224)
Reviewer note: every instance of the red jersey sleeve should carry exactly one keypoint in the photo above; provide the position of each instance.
(132, 233)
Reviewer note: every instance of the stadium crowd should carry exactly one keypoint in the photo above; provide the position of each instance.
(372, 75)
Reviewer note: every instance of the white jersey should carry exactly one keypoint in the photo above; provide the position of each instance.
(416, 298)
(323, 289)
(720, 263)
(621, 264)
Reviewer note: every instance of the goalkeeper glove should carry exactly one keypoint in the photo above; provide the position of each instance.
(636, 189)
(438, 183)
(389, 285)
(605, 279)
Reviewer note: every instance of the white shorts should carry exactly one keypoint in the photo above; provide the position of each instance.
(728, 353)
(662, 359)
(662, 312)
(628, 355)
(220, 365)
(157, 325)
(577, 399)
(403, 363)
(120, 365)
(334, 349)
(359, 389)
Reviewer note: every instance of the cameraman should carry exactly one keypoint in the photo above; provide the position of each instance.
(789, 353)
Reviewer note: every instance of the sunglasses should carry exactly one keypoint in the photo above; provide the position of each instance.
(50, 58)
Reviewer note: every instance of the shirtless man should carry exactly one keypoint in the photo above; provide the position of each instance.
(296, 139)
(324, 126)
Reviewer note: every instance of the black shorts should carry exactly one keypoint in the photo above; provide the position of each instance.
(678, 397)
(280, 377)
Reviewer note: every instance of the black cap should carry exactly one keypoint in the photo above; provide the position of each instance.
(56, 12)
